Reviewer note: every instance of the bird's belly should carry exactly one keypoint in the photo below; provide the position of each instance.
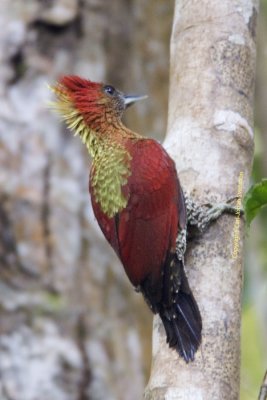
(144, 246)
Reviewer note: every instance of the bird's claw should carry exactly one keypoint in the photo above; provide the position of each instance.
(200, 216)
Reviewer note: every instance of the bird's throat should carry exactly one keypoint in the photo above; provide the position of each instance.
(110, 168)
(109, 174)
(111, 160)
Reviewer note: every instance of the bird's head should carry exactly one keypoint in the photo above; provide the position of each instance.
(94, 102)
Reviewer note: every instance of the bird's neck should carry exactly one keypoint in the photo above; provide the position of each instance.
(108, 143)
(98, 134)
(106, 139)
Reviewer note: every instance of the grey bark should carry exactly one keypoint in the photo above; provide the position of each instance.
(210, 136)
(263, 389)
(71, 327)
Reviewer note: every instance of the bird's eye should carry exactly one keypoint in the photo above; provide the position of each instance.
(110, 90)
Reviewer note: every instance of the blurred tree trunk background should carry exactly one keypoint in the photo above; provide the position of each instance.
(71, 327)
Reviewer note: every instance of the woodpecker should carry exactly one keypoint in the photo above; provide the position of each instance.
(138, 203)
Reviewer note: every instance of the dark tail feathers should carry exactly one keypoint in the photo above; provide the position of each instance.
(182, 321)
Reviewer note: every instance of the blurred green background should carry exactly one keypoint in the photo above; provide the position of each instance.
(254, 316)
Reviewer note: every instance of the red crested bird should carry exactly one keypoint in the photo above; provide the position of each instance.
(138, 203)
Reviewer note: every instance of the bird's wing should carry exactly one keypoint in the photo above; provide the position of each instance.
(145, 231)
(147, 227)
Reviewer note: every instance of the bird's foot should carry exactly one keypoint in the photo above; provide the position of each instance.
(200, 216)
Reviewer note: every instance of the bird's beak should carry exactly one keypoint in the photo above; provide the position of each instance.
(130, 99)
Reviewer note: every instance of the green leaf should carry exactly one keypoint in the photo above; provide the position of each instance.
(255, 199)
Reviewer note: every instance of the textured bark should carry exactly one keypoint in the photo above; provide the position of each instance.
(71, 326)
(263, 389)
(210, 135)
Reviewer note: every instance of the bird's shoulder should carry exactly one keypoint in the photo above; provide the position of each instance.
(151, 166)
(153, 185)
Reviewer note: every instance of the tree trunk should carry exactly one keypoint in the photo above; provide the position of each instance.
(210, 136)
